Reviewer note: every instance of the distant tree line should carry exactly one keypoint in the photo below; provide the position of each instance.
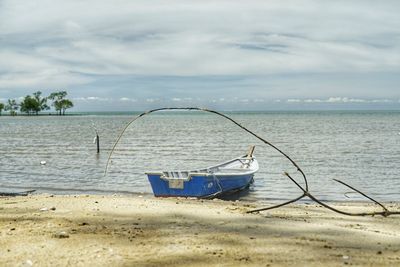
(34, 104)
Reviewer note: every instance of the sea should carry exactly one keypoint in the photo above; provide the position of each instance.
(57, 154)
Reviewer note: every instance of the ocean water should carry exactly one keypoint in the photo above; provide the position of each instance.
(361, 148)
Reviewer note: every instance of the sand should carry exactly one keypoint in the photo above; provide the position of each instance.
(93, 230)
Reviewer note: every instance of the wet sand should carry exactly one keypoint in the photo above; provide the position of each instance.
(93, 230)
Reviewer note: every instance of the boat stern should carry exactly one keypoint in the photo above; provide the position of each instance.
(199, 185)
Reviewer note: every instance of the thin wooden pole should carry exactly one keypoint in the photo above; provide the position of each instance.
(98, 143)
(97, 138)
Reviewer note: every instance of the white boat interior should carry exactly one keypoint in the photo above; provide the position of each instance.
(243, 165)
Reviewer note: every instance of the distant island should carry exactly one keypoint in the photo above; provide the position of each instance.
(32, 105)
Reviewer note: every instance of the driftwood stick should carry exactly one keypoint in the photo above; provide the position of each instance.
(210, 111)
(383, 213)
(305, 190)
(361, 193)
(296, 183)
(305, 193)
(277, 206)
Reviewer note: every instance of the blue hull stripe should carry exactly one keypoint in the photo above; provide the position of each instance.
(198, 186)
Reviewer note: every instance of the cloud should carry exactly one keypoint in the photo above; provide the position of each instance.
(312, 101)
(339, 100)
(345, 100)
(142, 39)
(92, 98)
(127, 99)
(137, 49)
(334, 99)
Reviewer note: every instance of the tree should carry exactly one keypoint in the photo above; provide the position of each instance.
(35, 104)
(41, 102)
(60, 103)
(66, 104)
(57, 98)
(11, 106)
(29, 105)
(1, 107)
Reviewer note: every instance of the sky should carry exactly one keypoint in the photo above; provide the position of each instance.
(228, 55)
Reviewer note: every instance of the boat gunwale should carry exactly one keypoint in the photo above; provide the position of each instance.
(193, 173)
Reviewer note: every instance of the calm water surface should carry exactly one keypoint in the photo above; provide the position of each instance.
(360, 148)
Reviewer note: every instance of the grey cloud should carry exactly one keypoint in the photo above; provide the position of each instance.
(158, 50)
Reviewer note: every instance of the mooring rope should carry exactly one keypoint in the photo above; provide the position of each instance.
(305, 189)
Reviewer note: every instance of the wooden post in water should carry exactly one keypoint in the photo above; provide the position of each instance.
(97, 138)
(98, 143)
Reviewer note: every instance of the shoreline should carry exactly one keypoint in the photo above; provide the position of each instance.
(120, 230)
(98, 192)
(233, 112)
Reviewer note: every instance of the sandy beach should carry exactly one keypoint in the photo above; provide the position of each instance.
(95, 230)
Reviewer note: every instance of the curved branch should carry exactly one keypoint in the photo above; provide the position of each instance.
(384, 213)
(361, 193)
(278, 206)
(305, 190)
(210, 111)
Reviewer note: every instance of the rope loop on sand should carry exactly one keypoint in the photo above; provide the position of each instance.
(304, 189)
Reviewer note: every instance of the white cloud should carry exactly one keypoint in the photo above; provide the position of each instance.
(356, 100)
(127, 99)
(334, 99)
(80, 44)
(79, 99)
(312, 101)
(382, 101)
(344, 100)
(136, 38)
(339, 100)
(292, 100)
(92, 98)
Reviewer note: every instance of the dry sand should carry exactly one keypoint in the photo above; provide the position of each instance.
(144, 231)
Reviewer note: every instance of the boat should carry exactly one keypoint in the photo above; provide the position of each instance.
(222, 179)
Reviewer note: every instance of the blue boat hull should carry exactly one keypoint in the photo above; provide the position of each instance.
(199, 186)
